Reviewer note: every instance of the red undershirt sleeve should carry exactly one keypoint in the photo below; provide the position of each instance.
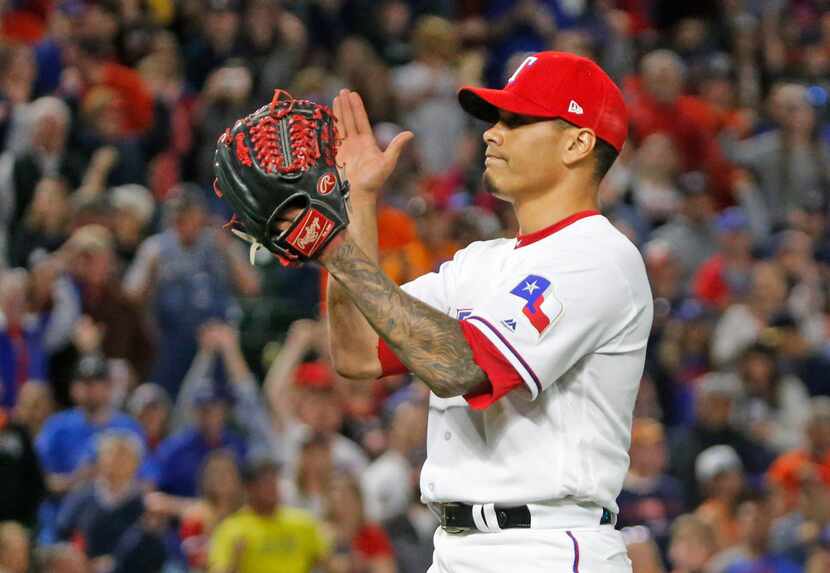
(389, 362)
(501, 375)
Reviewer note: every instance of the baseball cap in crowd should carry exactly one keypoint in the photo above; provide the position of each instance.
(92, 367)
(314, 376)
(692, 183)
(556, 85)
(135, 199)
(732, 220)
(819, 409)
(91, 238)
(690, 310)
(223, 5)
(783, 319)
(146, 395)
(716, 460)
(720, 383)
(256, 466)
(718, 66)
(210, 393)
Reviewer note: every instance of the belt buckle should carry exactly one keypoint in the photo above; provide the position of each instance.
(447, 528)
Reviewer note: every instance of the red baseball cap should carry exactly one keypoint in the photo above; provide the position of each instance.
(314, 376)
(556, 85)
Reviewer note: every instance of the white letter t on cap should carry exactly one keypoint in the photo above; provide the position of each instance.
(529, 61)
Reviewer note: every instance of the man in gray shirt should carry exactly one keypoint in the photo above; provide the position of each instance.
(690, 233)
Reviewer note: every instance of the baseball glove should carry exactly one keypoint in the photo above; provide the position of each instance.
(277, 165)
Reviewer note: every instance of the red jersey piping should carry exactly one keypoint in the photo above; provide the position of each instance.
(530, 238)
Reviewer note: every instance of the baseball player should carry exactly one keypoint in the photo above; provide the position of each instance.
(533, 347)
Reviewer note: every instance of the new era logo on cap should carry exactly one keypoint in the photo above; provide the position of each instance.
(574, 107)
(556, 85)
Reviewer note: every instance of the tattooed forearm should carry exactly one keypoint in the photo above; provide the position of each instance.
(428, 342)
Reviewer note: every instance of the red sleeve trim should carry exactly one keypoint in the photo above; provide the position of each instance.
(501, 374)
(389, 362)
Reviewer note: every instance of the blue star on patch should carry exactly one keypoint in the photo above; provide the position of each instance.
(532, 288)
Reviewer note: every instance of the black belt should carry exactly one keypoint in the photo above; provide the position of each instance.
(458, 517)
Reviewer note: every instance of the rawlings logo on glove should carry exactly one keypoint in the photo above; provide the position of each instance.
(276, 168)
(313, 230)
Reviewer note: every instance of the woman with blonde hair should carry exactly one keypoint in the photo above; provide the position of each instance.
(222, 494)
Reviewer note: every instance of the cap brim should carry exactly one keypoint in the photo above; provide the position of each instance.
(484, 104)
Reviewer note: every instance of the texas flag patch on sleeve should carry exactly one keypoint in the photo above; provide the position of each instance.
(541, 307)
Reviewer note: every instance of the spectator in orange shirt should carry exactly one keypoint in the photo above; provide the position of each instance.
(402, 255)
(720, 474)
(813, 460)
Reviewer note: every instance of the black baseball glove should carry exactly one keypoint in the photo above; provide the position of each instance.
(278, 165)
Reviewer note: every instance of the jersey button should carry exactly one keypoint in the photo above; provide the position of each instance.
(447, 436)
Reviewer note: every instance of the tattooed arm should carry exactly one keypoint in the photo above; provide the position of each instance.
(354, 342)
(428, 342)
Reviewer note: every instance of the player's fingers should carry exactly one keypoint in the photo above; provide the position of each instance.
(361, 118)
(348, 114)
(397, 145)
(338, 114)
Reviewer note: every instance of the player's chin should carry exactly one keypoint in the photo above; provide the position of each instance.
(492, 185)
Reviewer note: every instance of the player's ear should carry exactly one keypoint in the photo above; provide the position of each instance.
(578, 144)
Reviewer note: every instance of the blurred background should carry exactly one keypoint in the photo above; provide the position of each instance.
(159, 393)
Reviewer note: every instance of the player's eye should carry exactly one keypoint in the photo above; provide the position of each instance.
(513, 120)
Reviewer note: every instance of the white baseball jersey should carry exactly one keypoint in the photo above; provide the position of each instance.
(570, 308)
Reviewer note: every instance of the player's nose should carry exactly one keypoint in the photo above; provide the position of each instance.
(493, 136)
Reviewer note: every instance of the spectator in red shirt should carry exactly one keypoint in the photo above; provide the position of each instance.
(98, 70)
(360, 546)
(657, 104)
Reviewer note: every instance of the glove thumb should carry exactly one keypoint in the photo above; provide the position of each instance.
(397, 145)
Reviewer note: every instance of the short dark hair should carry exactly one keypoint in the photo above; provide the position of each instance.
(604, 156)
(256, 466)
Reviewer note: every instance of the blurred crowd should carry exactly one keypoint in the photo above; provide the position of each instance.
(166, 406)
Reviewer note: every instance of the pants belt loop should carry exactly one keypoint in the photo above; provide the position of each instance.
(485, 518)
(491, 518)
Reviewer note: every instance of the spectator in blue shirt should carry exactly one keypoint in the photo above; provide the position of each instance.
(66, 443)
(21, 341)
(650, 496)
(181, 456)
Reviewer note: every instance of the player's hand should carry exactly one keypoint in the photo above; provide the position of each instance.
(366, 166)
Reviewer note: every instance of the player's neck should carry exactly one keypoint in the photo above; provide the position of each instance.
(536, 213)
